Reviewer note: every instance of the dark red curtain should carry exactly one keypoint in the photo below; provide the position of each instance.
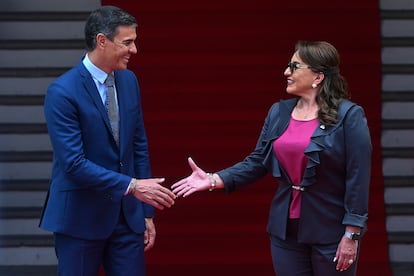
(209, 71)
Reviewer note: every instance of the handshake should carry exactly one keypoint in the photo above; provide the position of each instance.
(152, 192)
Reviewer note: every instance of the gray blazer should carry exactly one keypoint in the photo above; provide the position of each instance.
(335, 182)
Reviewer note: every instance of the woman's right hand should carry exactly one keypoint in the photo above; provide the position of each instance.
(197, 181)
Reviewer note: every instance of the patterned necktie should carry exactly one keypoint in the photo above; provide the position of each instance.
(112, 107)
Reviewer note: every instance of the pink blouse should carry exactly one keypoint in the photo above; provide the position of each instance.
(289, 150)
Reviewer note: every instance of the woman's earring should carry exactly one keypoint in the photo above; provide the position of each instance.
(314, 85)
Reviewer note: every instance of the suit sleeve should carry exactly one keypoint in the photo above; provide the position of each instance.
(252, 168)
(358, 167)
(63, 118)
(142, 164)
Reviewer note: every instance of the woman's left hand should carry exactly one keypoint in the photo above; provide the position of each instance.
(346, 254)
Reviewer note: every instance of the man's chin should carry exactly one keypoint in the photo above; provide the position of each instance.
(123, 66)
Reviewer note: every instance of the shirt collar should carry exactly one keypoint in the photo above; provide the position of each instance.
(96, 73)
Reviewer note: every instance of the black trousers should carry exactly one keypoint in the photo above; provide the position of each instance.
(291, 258)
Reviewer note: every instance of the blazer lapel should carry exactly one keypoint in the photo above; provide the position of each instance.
(279, 121)
(282, 118)
(92, 91)
(123, 103)
(318, 143)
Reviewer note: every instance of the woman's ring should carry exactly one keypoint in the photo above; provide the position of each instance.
(350, 261)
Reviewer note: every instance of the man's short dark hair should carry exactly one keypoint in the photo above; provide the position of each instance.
(106, 20)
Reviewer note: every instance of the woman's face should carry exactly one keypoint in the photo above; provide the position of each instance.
(300, 77)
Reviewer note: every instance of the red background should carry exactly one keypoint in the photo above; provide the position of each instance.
(209, 71)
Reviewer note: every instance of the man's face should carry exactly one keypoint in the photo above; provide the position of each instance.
(121, 48)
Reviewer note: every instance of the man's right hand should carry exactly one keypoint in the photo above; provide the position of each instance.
(152, 192)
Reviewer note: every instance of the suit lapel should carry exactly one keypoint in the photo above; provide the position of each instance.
(92, 91)
(123, 103)
(285, 110)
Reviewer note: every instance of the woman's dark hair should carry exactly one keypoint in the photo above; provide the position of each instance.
(105, 20)
(323, 57)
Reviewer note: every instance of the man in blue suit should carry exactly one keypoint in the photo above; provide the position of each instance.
(101, 198)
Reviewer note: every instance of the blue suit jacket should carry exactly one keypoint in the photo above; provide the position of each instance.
(336, 179)
(90, 174)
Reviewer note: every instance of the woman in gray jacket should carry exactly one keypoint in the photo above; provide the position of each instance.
(318, 147)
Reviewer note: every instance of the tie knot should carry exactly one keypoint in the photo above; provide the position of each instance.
(109, 80)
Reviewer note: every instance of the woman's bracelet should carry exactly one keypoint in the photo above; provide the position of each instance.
(213, 182)
(132, 186)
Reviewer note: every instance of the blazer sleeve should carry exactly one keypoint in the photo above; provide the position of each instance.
(358, 151)
(142, 164)
(252, 168)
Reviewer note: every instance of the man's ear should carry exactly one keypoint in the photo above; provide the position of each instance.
(100, 40)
